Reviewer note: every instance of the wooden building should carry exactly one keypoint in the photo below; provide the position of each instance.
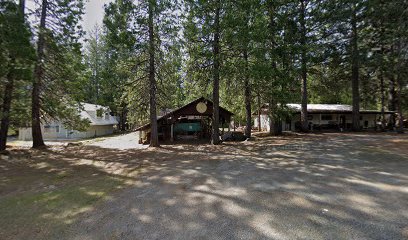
(192, 121)
(322, 117)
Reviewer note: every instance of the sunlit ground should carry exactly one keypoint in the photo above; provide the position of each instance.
(316, 186)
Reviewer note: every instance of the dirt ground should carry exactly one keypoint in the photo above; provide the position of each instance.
(315, 186)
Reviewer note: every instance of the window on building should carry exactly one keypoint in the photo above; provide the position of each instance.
(106, 116)
(309, 117)
(327, 117)
(57, 128)
(47, 128)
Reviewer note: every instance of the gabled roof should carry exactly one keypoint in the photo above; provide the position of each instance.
(93, 107)
(186, 110)
(330, 108)
(201, 99)
(88, 111)
(325, 108)
(321, 107)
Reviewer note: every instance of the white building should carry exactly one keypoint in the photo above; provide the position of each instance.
(100, 120)
(322, 116)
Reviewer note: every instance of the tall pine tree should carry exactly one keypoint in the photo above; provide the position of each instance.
(58, 65)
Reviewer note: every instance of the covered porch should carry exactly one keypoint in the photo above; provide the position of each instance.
(192, 122)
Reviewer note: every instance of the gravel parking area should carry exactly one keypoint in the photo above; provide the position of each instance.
(314, 186)
(121, 142)
(333, 186)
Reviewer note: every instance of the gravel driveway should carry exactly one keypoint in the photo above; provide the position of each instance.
(121, 142)
(331, 186)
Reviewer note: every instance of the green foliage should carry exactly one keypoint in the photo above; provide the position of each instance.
(16, 61)
(117, 60)
(198, 33)
(260, 42)
(71, 118)
(62, 63)
(17, 51)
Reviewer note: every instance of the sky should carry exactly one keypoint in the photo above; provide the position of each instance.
(93, 13)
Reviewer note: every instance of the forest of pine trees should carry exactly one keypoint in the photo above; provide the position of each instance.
(150, 55)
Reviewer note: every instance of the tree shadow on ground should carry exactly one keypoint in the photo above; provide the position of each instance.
(307, 187)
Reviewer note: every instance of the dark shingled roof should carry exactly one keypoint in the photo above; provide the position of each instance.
(179, 112)
(325, 108)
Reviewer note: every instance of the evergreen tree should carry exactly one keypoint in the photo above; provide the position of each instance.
(304, 61)
(95, 53)
(203, 31)
(58, 65)
(16, 57)
(118, 43)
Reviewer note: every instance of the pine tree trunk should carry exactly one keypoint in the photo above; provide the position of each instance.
(382, 89)
(5, 120)
(271, 125)
(303, 112)
(400, 127)
(154, 139)
(247, 87)
(247, 83)
(400, 119)
(278, 127)
(216, 75)
(272, 102)
(123, 117)
(271, 109)
(392, 96)
(275, 123)
(259, 113)
(355, 74)
(8, 93)
(37, 84)
(275, 126)
(22, 7)
(123, 125)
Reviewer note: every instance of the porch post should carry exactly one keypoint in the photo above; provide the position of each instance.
(222, 131)
(171, 133)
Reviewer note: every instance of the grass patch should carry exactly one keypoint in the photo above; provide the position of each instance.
(12, 132)
(49, 212)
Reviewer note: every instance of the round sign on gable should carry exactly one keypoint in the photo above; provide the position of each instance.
(201, 107)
